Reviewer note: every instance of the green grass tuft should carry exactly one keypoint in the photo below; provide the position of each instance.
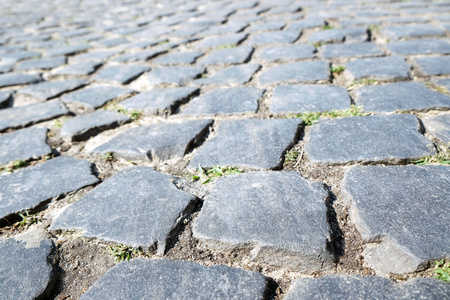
(214, 173)
(337, 70)
(442, 271)
(311, 118)
(122, 252)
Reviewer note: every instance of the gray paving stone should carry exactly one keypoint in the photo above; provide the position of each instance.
(137, 193)
(99, 56)
(301, 231)
(366, 139)
(120, 73)
(94, 96)
(5, 99)
(23, 144)
(399, 96)
(439, 126)
(42, 182)
(161, 141)
(378, 68)
(234, 75)
(286, 52)
(229, 27)
(306, 23)
(139, 56)
(225, 101)
(422, 46)
(77, 69)
(445, 82)
(309, 97)
(6, 67)
(26, 271)
(339, 35)
(252, 143)
(41, 64)
(167, 75)
(168, 279)
(273, 37)
(83, 127)
(156, 102)
(387, 204)
(221, 40)
(227, 56)
(112, 42)
(350, 50)
(67, 50)
(267, 25)
(358, 287)
(22, 116)
(308, 71)
(20, 55)
(10, 79)
(50, 89)
(408, 31)
(430, 66)
(178, 58)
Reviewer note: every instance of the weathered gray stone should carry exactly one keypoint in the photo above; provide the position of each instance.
(78, 69)
(6, 67)
(31, 187)
(309, 97)
(83, 127)
(339, 35)
(408, 31)
(307, 71)
(399, 96)
(306, 23)
(139, 56)
(388, 205)
(350, 50)
(422, 46)
(225, 101)
(234, 75)
(161, 141)
(50, 89)
(160, 100)
(42, 63)
(228, 56)
(67, 50)
(445, 82)
(5, 99)
(439, 126)
(430, 66)
(178, 58)
(120, 73)
(22, 116)
(167, 75)
(168, 279)
(370, 288)
(94, 96)
(112, 42)
(221, 40)
(26, 270)
(267, 25)
(366, 139)
(236, 214)
(99, 56)
(23, 145)
(378, 68)
(251, 143)
(140, 197)
(286, 52)
(273, 37)
(10, 79)
(20, 55)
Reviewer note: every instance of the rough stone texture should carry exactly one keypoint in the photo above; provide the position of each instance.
(408, 31)
(167, 75)
(430, 66)
(287, 52)
(97, 56)
(43, 63)
(307, 71)
(20, 55)
(422, 46)
(42, 182)
(5, 99)
(78, 69)
(378, 68)
(167, 279)
(273, 37)
(439, 126)
(366, 139)
(237, 213)
(309, 97)
(120, 73)
(22, 116)
(51, 89)
(140, 197)
(225, 101)
(178, 58)
(67, 50)
(139, 56)
(370, 288)
(339, 35)
(234, 75)
(443, 82)
(227, 56)
(23, 145)
(83, 127)
(221, 40)
(160, 100)
(350, 50)
(399, 96)
(10, 79)
(402, 208)
(306, 23)
(158, 141)
(26, 270)
(94, 96)
(254, 144)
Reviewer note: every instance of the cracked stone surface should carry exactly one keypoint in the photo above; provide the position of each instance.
(308, 71)
(10, 79)
(378, 68)
(47, 90)
(234, 75)
(138, 196)
(433, 65)
(162, 278)
(120, 73)
(439, 126)
(167, 75)
(5, 99)
(400, 240)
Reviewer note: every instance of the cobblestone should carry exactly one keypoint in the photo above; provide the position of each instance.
(228, 56)
(429, 66)
(308, 71)
(50, 89)
(350, 50)
(286, 52)
(10, 79)
(378, 68)
(232, 76)
(439, 126)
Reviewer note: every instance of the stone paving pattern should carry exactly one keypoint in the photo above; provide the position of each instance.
(107, 109)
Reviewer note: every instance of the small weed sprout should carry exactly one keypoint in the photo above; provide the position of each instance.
(27, 219)
(108, 156)
(291, 155)
(58, 123)
(132, 114)
(440, 158)
(328, 27)
(17, 164)
(442, 271)
(214, 173)
(362, 82)
(337, 70)
(311, 118)
(122, 252)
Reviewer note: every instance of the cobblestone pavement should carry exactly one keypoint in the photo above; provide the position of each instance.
(251, 149)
